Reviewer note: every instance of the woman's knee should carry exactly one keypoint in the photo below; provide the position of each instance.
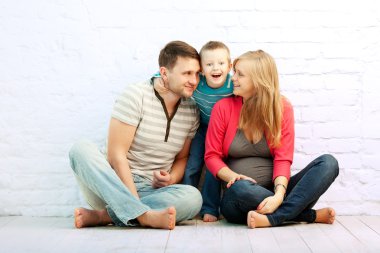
(239, 189)
(331, 164)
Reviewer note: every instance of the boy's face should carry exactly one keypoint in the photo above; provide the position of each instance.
(215, 66)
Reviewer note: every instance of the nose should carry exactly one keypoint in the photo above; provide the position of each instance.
(194, 79)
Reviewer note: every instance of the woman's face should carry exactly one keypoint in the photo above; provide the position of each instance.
(243, 85)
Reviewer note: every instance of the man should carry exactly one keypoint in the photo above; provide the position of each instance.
(149, 138)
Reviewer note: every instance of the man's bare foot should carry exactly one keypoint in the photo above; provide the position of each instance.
(256, 220)
(325, 215)
(159, 219)
(209, 218)
(89, 218)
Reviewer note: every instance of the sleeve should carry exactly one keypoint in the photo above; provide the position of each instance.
(195, 126)
(156, 75)
(128, 106)
(283, 155)
(215, 138)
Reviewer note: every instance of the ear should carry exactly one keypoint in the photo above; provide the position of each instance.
(164, 73)
(230, 67)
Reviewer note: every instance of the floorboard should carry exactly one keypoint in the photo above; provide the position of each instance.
(368, 237)
(40, 235)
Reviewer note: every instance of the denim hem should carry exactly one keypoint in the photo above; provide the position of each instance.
(271, 220)
(205, 211)
(125, 221)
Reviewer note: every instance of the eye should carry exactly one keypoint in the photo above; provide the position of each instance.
(208, 64)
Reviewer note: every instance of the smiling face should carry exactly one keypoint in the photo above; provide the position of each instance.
(216, 65)
(243, 84)
(183, 78)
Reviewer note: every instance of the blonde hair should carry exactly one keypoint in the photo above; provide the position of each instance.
(262, 113)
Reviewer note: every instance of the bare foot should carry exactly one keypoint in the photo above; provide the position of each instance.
(209, 218)
(325, 215)
(89, 218)
(159, 219)
(256, 220)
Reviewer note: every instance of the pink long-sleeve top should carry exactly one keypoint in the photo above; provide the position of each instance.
(222, 129)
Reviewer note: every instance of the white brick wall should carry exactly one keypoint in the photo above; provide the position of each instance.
(63, 62)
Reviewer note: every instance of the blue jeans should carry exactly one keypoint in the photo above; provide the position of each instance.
(103, 189)
(195, 163)
(304, 190)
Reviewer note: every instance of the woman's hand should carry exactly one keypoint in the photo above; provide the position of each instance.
(269, 204)
(237, 177)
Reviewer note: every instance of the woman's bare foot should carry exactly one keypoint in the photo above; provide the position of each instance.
(159, 219)
(256, 220)
(209, 218)
(89, 218)
(325, 215)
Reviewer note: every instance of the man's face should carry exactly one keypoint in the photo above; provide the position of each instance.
(183, 78)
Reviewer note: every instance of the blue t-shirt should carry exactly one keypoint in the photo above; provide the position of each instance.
(206, 97)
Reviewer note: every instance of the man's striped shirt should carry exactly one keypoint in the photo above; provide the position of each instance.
(158, 139)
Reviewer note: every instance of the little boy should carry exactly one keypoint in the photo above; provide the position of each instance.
(215, 84)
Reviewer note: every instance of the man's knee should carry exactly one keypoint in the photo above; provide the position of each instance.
(77, 152)
(191, 200)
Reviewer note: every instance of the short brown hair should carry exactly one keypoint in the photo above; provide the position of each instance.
(212, 45)
(174, 49)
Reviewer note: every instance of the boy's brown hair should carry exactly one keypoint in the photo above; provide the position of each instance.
(174, 49)
(212, 45)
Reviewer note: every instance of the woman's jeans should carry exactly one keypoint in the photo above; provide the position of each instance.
(303, 191)
(102, 189)
(211, 186)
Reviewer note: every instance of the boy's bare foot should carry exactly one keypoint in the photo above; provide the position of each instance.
(325, 215)
(88, 218)
(159, 219)
(256, 220)
(209, 218)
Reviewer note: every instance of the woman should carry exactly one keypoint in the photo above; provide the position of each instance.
(250, 146)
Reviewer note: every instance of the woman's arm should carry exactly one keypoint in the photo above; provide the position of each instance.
(216, 132)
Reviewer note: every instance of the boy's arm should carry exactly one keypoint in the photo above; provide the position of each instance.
(120, 138)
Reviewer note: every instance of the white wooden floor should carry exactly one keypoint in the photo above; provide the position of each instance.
(348, 234)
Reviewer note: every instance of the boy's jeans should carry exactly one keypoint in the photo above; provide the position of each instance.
(102, 188)
(195, 163)
(304, 190)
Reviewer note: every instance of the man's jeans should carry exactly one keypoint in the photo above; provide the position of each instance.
(211, 186)
(304, 190)
(102, 188)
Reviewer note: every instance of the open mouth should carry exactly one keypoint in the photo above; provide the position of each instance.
(216, 75)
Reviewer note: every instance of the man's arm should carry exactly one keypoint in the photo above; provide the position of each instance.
(179, 164)
(162, 178)
(120, 138)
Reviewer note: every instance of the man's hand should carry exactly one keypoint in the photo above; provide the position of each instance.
(161, 179)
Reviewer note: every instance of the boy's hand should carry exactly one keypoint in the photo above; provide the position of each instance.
(160, 179)
(159, 85)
